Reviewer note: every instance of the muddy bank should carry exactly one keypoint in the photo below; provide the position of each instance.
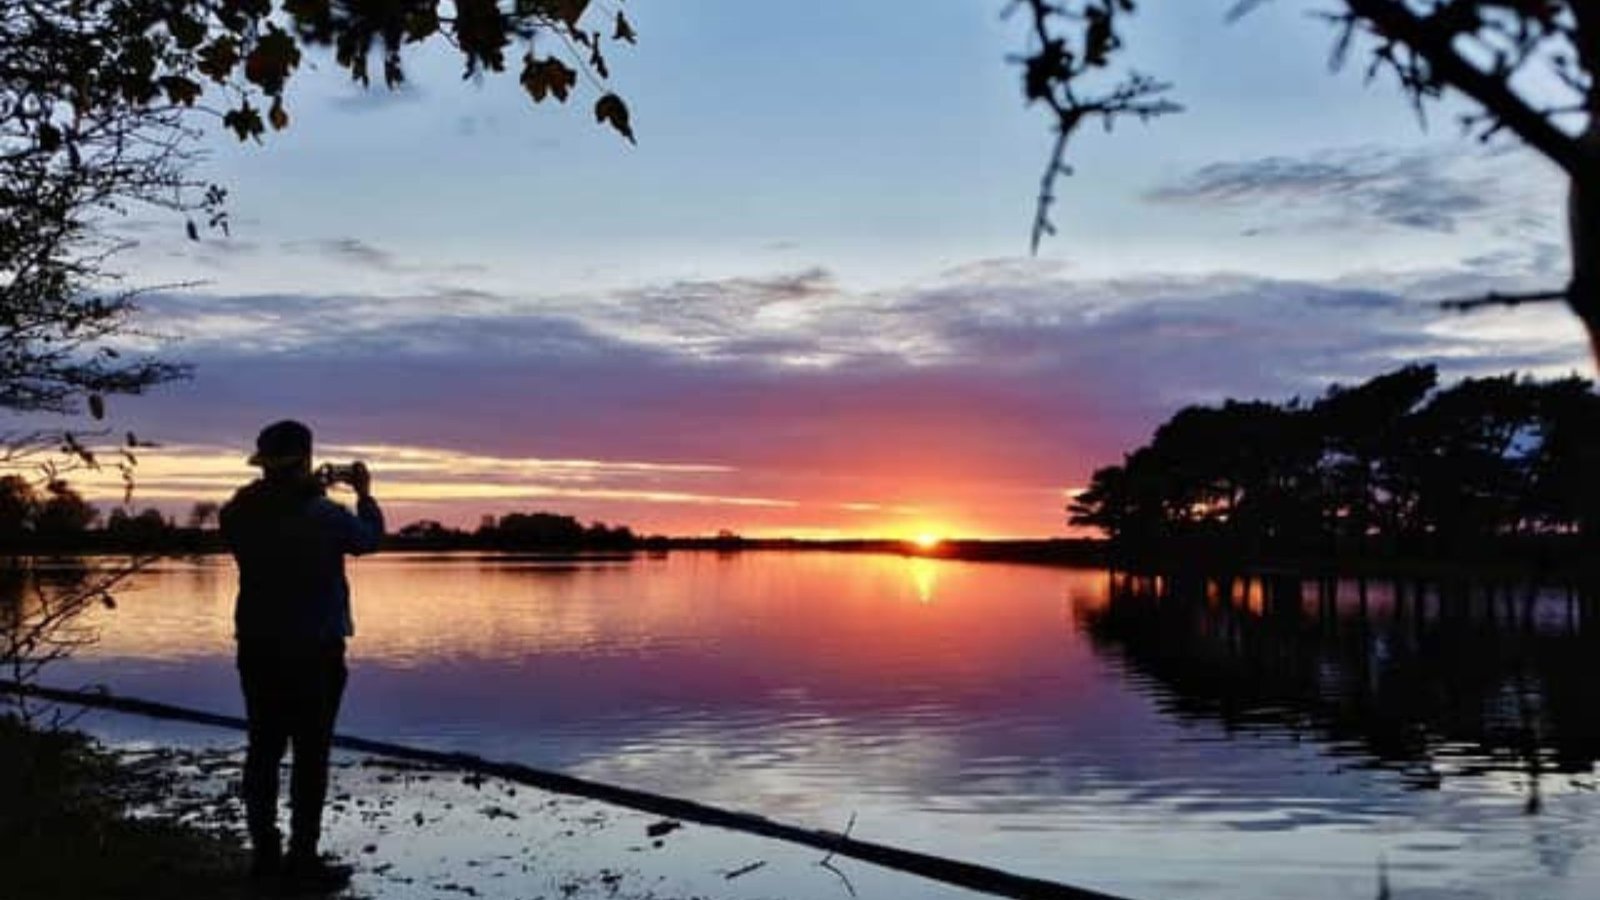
(416, 831)
(65, 833)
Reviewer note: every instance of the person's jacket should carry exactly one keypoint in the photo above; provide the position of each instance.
(290, 541)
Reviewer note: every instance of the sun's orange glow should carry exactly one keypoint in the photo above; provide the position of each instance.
(923, 507)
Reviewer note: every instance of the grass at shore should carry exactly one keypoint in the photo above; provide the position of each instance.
(65, 832)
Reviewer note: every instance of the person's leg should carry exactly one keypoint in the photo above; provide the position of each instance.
(312, 734)
(267, 708)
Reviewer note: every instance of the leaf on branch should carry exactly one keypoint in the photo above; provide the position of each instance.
(624, 31)
(97, 406)
(274, 57)
(245, 121)
(565, 11)
(421, 23)
(612, 110)
(545, 77)
(186, 31)
(1098, 38)
(192, 230)
(180, 90)
(277, 115)
(49, 137)
(218, 58)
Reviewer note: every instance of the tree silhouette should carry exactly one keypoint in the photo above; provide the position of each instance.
(59, 513)
(64, 513)
(541, 530)
(1394, 464)
(1478, 463)
(1528, 67)
(147, 529)
(1565, 490)
(203, 514)
(18, 503)
(1363, 451)
(101, 101)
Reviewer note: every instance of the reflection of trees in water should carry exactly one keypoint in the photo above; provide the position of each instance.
(27, 584)
(42, 616)
(1476, 677)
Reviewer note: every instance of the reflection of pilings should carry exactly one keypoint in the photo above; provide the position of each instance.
(1419, 663)
(1417, 604)
(1283, 595)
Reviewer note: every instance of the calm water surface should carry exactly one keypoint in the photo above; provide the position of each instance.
(1149, 739)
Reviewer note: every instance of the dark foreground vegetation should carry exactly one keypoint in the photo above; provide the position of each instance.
(1500, 470)
(65, 833)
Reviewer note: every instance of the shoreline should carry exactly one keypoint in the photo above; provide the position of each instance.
(416, 831)
(1051, 552)
(887, 860)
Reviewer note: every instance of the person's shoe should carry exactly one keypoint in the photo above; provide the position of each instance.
(309, 873)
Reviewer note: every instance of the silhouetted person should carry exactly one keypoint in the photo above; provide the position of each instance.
(291, 620)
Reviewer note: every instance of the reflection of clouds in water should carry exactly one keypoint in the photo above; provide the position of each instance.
(812, 769)
(980, 725)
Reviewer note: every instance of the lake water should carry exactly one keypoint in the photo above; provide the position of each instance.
(1150, 739)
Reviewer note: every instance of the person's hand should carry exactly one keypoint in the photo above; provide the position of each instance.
(361, 479)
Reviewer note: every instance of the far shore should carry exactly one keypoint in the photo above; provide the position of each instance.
(1521, 564)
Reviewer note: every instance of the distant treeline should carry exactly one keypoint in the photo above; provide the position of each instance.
(517, 531)
(1489, 469)
(54, 518)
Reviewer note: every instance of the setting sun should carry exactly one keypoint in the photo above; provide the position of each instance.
(927, 541)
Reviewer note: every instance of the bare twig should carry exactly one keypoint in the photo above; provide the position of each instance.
(41, 624)
(827, 860)
(843, 836)
(1433, 39)
(1495, 298)
(1074, 43)
(745, 870)
(850, 888)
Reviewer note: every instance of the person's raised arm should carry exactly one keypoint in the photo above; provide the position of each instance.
(362, 532)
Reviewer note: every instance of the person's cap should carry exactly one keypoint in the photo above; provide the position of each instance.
(281, 443)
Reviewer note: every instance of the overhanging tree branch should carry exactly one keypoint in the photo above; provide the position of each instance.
(1493, 298)
(1075, 42)
(1431, 40)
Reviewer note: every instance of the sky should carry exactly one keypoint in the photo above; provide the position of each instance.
(804, 304)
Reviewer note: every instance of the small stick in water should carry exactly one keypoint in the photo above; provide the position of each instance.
(745, 870)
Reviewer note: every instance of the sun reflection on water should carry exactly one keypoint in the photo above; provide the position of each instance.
(925, 575)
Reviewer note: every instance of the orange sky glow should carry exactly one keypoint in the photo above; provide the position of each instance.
(880, 499)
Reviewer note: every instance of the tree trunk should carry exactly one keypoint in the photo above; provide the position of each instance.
(1583, 198)
(1583, 223)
